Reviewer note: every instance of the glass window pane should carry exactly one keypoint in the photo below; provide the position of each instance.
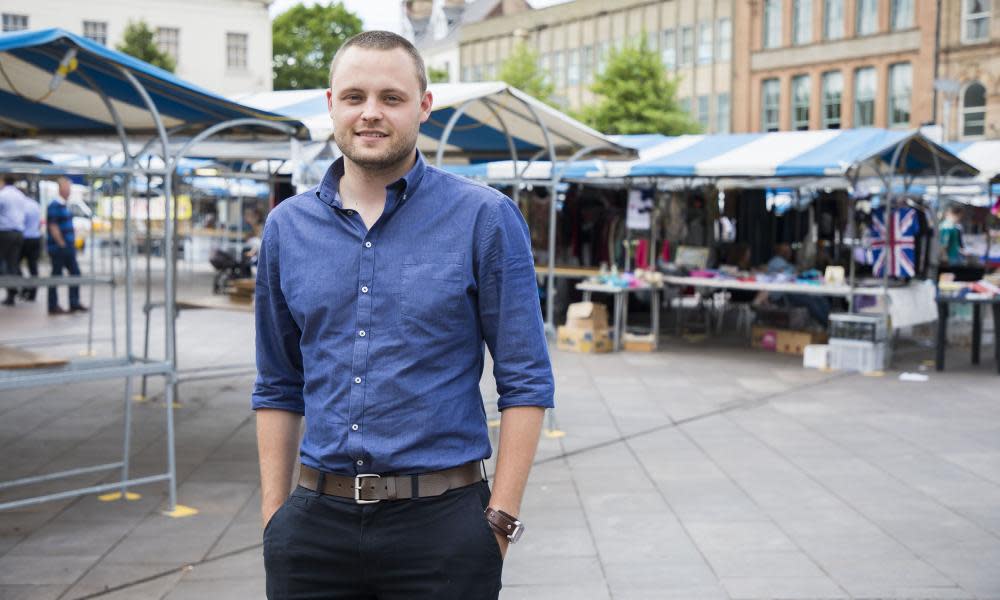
(725, 40)
(703, 112)
(770, 104)
(900, 84)
(772, 23)
(668, 49)
(802, 22)
(833, 19)
(705, 43)
(974, 110)
(687, 46)
(864, 97)
(722, 113)
(902, 14)
(866, 21)
(833, 89)
(800, 102)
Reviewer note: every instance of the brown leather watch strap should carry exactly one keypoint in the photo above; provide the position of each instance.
(504, 524)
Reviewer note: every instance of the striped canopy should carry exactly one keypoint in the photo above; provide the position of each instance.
(477, 135)
(36, 102)
(984, 155)
(828, 154)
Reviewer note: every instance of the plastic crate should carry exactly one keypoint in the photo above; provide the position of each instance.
(816, 356)
(855, 355)
(865, 328)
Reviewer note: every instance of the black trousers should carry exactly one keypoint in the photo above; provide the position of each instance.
(319, 546)
(31, 249)
(64, 258)
(10, 257)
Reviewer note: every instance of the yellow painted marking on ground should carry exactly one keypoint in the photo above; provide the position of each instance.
(139, 398)
(928, 363)
(177, 405)
(180, 511)
(874, 373)
(553, 434)
(87, 353)
(827, 369)
(113, 496)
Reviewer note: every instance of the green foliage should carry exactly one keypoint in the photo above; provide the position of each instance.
(304, 40)
(435, 75)
(140, 42)
(521, 70)
(635, 95)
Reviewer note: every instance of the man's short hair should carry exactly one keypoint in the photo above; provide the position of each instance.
(384, 40)
(8, 180)
(955, 209)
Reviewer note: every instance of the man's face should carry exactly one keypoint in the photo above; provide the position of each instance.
(64, 188)
(377, 107)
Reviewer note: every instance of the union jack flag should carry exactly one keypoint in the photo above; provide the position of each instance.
(900, 235)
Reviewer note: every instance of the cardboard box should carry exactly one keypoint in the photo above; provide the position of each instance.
(572, 339)
(590, 316)
(764, 338)
(638, 343)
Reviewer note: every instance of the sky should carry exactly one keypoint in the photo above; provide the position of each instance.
(377, 14)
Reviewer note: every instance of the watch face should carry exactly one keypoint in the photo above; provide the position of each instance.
(518, 532)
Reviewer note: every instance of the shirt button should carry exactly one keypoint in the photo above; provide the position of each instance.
(355, 428)
(404, 196)
(357, 380)
(364, 289)
(360, 463)
(368, 244)
(362, 333)
(350, 212)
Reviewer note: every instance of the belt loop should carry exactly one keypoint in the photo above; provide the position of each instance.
(414, 486)
(320, 482)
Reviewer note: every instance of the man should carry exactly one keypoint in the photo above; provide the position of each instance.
(62, 248)
(11, 228)
(375, 293)
(951, 236)
(31, 245)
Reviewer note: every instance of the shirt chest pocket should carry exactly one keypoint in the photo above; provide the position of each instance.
(433, 287)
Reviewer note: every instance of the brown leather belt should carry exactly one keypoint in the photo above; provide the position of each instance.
(369, 488)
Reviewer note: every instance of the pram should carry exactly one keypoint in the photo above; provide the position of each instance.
(227, 268)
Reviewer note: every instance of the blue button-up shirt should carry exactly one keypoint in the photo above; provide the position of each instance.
(376, 336)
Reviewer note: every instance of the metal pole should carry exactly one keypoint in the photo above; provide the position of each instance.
(439, 159)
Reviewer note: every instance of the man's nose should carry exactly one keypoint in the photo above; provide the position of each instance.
(371, 111)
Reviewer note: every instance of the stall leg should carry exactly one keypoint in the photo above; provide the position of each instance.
(618, 321)
(127, 443)
(942, 335)
(996, 334)
(977, 332)
(656, 318)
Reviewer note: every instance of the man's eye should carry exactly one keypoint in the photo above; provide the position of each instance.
(353, 98)
(392, 99)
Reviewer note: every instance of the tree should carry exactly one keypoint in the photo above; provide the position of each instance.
(140, 41)
(436, 75)
(304, 40)
(635, 95)
(521, 70)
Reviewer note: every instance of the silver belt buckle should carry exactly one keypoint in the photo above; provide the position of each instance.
(358, 486)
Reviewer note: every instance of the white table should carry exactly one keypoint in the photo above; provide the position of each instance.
(620, 310)
(790, 287)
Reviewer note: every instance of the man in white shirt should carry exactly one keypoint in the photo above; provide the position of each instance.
(31, 245)
(11, 228)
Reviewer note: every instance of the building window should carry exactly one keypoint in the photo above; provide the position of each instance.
(770, 104)
(559, 70)
(705, 43)
(587, 63)
(668, 49)
(864, 97)
(685, 104)
(687, 46)
(833, 19)
(573, 77)
(236, 51)
(833, 90)
(466, 73)
(96, 31)
(14, 22)
(800, 102)
(974, 110)
(975, 20)
(900, 88)
(603, 54)
(772, 23)
(866, 17)
(901, 14)
(724, 40)
(703, 115)
(802, 19)
(722, 113)
(167, 39)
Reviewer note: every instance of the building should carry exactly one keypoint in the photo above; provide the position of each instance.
(436, 27)
(573, 40)
(969, 61)
(221, 45)
(828, 64)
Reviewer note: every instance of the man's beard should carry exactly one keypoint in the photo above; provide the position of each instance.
(397, 152)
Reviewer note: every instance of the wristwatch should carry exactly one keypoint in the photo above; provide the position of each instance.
(504, 524)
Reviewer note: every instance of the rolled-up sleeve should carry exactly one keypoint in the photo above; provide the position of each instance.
(279, 357)
(509, 310)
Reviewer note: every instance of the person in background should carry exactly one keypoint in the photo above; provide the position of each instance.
(781, 263)
(11, 233)
(951, 235)
(31, 246)
(62, 248)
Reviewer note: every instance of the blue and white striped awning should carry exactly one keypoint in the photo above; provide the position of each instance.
(828, 154)
(36, 100)
(477, 135)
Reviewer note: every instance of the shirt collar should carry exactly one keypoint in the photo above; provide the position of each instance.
(329, 188)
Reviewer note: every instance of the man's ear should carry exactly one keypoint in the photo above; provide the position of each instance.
(329, 100)
(426, 105)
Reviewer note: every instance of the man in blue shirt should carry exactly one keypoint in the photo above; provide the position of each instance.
(61, 247)
(375, 294)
